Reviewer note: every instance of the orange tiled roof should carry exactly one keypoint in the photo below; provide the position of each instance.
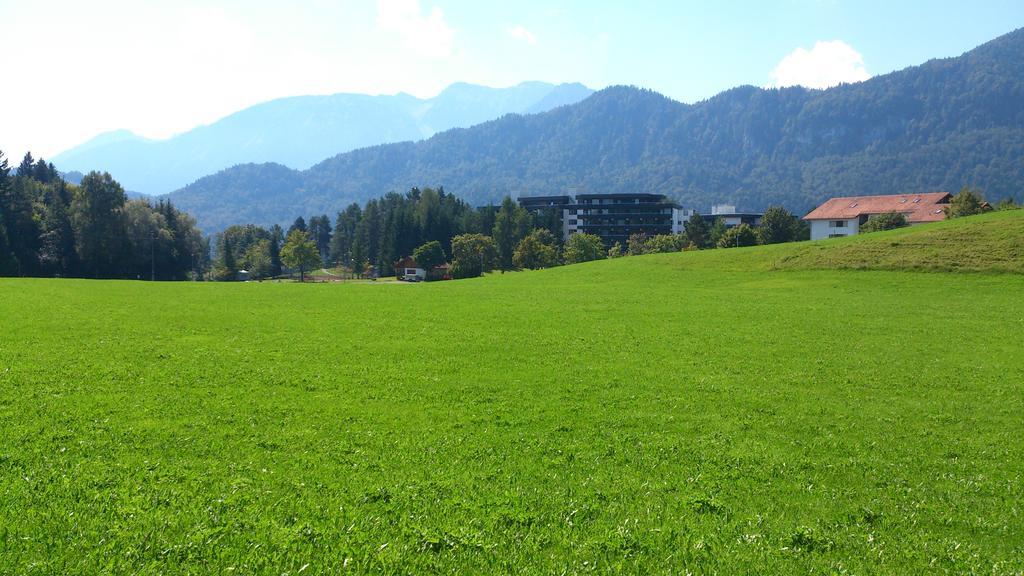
(925, 207)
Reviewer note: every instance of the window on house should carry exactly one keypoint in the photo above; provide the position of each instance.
(839, 223)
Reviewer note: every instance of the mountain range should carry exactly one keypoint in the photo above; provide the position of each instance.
(300, 131)
(938, 126)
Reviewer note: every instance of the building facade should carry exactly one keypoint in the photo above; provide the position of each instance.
(612, 217)
(731, 217)
(844, 216)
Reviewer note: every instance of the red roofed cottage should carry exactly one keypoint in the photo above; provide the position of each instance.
(844, 216)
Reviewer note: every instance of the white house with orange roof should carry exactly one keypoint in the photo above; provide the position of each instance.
(844, 216)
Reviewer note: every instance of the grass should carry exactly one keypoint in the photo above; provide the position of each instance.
(676, 413)
(992, 242)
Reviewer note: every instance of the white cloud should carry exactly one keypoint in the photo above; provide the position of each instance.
(827, 64)
(521, 33)
(428, 34)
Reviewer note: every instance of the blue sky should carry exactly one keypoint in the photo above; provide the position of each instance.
(163, 67)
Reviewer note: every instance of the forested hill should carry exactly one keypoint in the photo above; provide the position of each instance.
(303, 130)
(938, 126)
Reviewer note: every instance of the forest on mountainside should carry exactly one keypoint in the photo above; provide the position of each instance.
(939, 126)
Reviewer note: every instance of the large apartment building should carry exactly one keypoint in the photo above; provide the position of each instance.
(612, 217)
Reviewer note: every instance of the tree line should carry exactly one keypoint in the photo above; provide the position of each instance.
(435, 227)
(372, 237)
(49, 227)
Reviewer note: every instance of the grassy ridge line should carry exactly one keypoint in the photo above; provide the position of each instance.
(991, 242)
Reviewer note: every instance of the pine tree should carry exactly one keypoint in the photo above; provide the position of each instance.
(299, 224)
(57, 253)
(697, 231)
(229, 269)
(511, 225)
(345, 234)
(8, 266)
(23, 224)
(27, 166)
(275, 250)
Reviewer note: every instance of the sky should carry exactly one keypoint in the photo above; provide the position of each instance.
(74, 69)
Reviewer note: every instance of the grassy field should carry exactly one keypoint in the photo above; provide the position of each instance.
(695, 412)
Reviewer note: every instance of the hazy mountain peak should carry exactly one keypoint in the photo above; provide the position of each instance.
(299, 131)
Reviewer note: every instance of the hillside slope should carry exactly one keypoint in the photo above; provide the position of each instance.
(938, 126)
(303, 130)
(988, 243)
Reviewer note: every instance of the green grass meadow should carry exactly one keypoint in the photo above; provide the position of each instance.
(702, 413)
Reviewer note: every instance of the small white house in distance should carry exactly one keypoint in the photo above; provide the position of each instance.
(844, 216)
(408, 269)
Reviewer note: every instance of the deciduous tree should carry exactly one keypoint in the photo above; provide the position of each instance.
(738, 236)
(663, 243)
(538, 249)
(429, 256)
(472, 255)
(300, 252)
(778, 225)
(636, 245)
(97, 216)
(967, 202)
(582, 247)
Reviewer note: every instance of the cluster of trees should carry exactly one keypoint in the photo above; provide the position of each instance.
(435, 227)
(49, 227)
(517, 243)
(778, 225)
(376, 235)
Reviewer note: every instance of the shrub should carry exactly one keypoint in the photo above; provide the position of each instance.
(967, 202)
(737, 236)
(887, 221)
(584, 248)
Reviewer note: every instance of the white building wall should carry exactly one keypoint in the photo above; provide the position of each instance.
(679, 218)
(821, 229)
(570, 223)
